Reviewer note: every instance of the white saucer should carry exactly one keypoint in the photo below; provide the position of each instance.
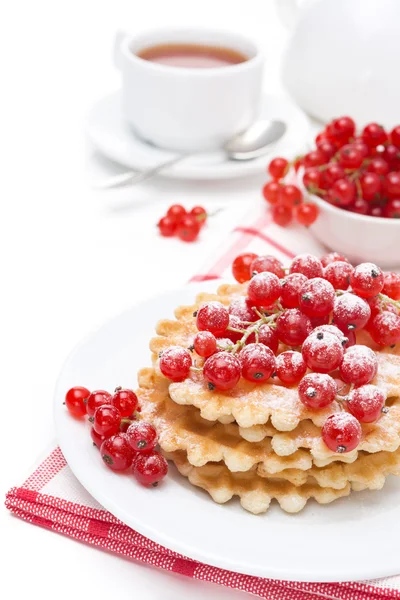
(110, 134)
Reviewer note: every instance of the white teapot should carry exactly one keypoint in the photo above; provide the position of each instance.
(343, 57)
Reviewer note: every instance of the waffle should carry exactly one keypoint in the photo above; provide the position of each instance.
(181, 330)
(369, 471)
(384, 435)
(255, 492)
(251, 404)
(182, 428)
(258, 441)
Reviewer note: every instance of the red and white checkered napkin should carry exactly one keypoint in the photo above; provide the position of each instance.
(52, 497)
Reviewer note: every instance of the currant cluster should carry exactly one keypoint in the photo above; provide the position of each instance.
(185, 225)
(357, 172)
(124, 441)
(286, 199)
(314, 307)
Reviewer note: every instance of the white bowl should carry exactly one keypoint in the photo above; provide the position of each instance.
(361, 238)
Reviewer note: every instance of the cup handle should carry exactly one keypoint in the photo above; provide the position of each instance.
(117, 55)
(288, 11)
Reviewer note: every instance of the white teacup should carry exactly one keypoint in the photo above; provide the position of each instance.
(188, 109)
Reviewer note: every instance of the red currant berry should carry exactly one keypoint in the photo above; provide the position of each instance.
(392, 209)
(343, 339)
(367, 280)
(175, 363)
(326, 148)
(315, 158)
(342, 128)
(297, 164)
(318, 321)
(167, 226)
(395, 136)
(350, 312)
(126, 401)
(271, 192)
(214, 317)
(142, 436)
(264, 289)
(361, 146)
(376, 211)
(241, 266)
(224, 345)
(359, 206)
(290, 367)
(392, 184)
(374, 135)
(258, 362)
(332, 173)
(200, 213)
(278, 167)
(241, 308)
(282, 214)
(75, 401)
(359, 365)
(331, 257)
(338, 274)
(341, 432)
(392, 156)
(317, 390)
(96, 399)
(317, 297)
(350, 156)
(366, 403)
(222, 371)
(291, 287)
(268, 337)
(312, 179)
(150, 469)
(106, 420)
(176, 212)
(188, 228)
(308, 265)
(322, 352)
(268, 263)
(235, 324)
(306, 214)
(116, 452)
(384, 328)
(293, 327)
(96, 438)
(205, 343)
(391, 286)
(342, 193)
(379, 166)
(320, 137)
(371, 186)
(291, 195)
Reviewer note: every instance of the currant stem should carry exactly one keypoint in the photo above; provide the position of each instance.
(254, 329)
(387, 300)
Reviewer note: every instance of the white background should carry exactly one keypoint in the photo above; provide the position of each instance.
(72, 257)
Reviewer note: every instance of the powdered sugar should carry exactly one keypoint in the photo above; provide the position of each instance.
(359, 365)
(323, 352)
(350, 312)
(308, 264)
(317, 297)
(241, 309)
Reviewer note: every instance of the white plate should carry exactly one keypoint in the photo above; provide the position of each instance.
(353, 538)
(110, 134)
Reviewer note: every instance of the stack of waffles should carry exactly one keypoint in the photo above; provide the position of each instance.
(258, 441)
